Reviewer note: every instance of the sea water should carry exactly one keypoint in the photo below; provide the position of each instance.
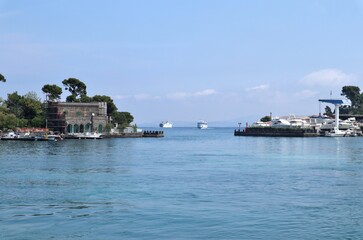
(191, 184)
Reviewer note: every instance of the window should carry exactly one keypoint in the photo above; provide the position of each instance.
(70, 128)
(100, 128)
(76, 128)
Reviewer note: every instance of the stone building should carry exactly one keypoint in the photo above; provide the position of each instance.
(74, 117)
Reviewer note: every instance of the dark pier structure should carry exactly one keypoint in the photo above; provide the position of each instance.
(276, 132)
(153, 134)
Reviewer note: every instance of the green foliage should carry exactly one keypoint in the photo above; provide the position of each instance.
(27, 110)
(76, 87)
(134, 127)
(111, 107)
(13, 103)
(109, 126)
(328, 111)
(71, 98)
(53, 92)
(2, 78)
(265, 119)
(122, 118)
(356, 97)
(38, 121)
(7, 121)
(31, 106)
(86, 99)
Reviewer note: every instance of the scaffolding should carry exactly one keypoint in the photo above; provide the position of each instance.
(54, 118)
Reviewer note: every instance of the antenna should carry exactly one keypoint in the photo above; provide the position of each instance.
(319, 109)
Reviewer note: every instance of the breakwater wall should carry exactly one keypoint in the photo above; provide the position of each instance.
(153, 133)
(276, 132)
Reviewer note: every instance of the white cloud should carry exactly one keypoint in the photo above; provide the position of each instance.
(178, 95)
(184, 95)
(328, 77)
(145, 96)
(258, 88)
(205, 92)
(174, 96)
(306, 93)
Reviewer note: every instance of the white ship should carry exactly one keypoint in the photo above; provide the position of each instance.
(166, 124)
(202, 124)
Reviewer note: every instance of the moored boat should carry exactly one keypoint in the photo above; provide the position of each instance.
(341, 133)
(86, 135)
(28, 135)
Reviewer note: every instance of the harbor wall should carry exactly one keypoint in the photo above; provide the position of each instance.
(276, 132)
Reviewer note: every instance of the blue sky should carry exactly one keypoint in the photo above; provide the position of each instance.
(221, 61)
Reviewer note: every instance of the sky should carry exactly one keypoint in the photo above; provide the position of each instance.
(221, 61)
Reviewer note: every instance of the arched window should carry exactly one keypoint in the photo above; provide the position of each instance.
(88, 127)
(100, 128)
(81, 128)
(76, 128)
(69, 128)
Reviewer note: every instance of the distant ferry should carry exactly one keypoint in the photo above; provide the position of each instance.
(166, 124)
(202, 124)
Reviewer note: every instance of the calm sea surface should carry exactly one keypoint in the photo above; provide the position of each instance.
(191, 184)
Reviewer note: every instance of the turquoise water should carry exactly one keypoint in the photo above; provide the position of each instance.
(191, 184)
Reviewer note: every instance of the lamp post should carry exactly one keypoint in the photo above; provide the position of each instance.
(92, 115)
(239, 126)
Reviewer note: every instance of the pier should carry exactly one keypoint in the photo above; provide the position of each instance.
(155, 134)
(276, 132)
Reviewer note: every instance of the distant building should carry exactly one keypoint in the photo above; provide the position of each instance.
(74, 117)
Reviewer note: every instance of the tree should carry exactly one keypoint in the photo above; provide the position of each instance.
(122, 118)
(28, 110)
(353, 94)
(76, 87)
(31, 106)
(328, 111)
(2, 78)
(265, 119)
(356, 98)
(13, 103)
(86, 99)
(111, 107)
(8, 121)
(53, 92)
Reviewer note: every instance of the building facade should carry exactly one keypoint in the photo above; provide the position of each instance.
(74, 117)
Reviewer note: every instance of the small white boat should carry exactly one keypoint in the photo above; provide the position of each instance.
(166, 124)
(86, 135)
(9, 136)
(280, 123)
(340, 133)
(202, 124)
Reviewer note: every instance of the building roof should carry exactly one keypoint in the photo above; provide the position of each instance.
(344, 102)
